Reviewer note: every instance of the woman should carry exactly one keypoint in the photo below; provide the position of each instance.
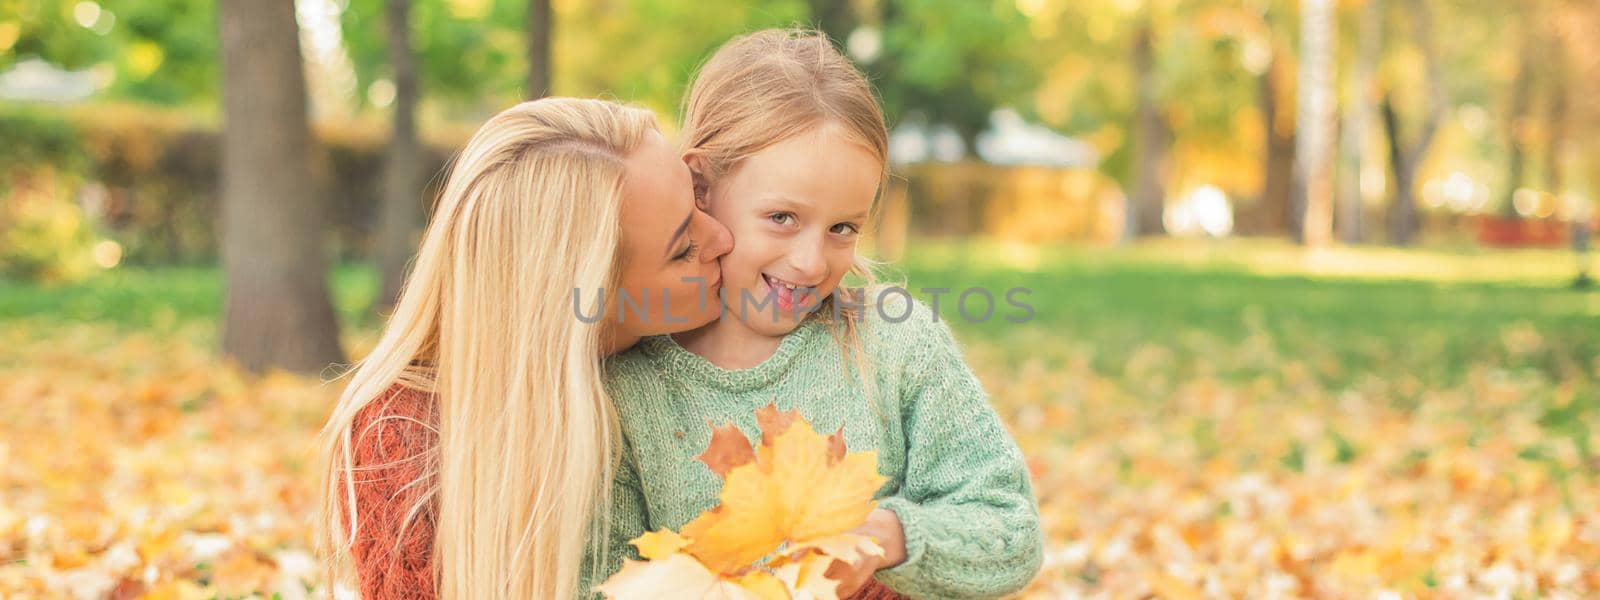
(464, 457)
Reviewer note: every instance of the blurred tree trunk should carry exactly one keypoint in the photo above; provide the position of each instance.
(1147, 200)
(1555, 175)
(835, 18)
(276, 311)
(1358, 116)
(1277, 185)
(1315, 111)
(539, 28)
(401, 212)
(1404, 159)
(1403, 209)
(969, 133)
(1583, 32)
(1516, 127)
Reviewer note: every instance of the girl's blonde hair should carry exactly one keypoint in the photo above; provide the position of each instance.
(530, 212)
(765, 87)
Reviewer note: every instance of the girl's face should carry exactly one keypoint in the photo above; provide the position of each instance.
(670, 248)
(796, 209)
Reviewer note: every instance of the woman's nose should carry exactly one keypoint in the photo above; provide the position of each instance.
(720, 240)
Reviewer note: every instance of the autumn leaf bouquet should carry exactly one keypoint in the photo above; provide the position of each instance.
(786, 513)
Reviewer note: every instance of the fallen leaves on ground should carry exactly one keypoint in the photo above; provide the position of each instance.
(1278, 487)
(139, 466)
(134, 464)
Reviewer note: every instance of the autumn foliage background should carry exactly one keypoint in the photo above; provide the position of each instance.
(1247, 421)
(1216, 400)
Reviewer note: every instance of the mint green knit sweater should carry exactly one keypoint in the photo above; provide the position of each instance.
(957, 481)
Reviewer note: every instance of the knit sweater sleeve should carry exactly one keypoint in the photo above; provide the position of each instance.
(395, 522)
(967, 507)
(626, 520)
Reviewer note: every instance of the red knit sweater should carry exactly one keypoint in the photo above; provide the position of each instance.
(392, 439)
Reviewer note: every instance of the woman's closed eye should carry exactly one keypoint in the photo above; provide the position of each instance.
(689, 252)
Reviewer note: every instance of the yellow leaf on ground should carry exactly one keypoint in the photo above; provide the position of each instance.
(1172, 588)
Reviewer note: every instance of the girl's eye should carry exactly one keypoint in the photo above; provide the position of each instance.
(688, 253)
(781, 218)
(846, 229)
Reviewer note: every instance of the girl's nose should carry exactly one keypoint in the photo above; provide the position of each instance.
(807, 260)
(719, 240)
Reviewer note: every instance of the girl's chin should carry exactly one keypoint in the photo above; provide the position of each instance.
(764, 325)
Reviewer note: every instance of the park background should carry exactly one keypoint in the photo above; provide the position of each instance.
(1312, 311)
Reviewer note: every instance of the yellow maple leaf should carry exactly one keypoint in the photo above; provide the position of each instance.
(807, 579)
(785, 515)
(848, 547)
(795, 492)
(656, 545)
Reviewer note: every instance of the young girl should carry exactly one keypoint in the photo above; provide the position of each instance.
(789, 150)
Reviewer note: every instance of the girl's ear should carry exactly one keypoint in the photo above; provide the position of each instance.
(702, 185)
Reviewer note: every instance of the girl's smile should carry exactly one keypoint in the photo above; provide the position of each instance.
(788, 294)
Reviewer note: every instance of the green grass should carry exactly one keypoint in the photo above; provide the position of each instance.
(1233, 310)
(162, 297)
(1210, 315)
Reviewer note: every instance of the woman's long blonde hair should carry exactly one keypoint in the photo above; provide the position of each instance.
(529, 213)
(765, 87)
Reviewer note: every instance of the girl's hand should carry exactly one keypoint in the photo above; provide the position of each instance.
(882, 525)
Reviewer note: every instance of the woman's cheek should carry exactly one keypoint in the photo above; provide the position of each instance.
(689, 295)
